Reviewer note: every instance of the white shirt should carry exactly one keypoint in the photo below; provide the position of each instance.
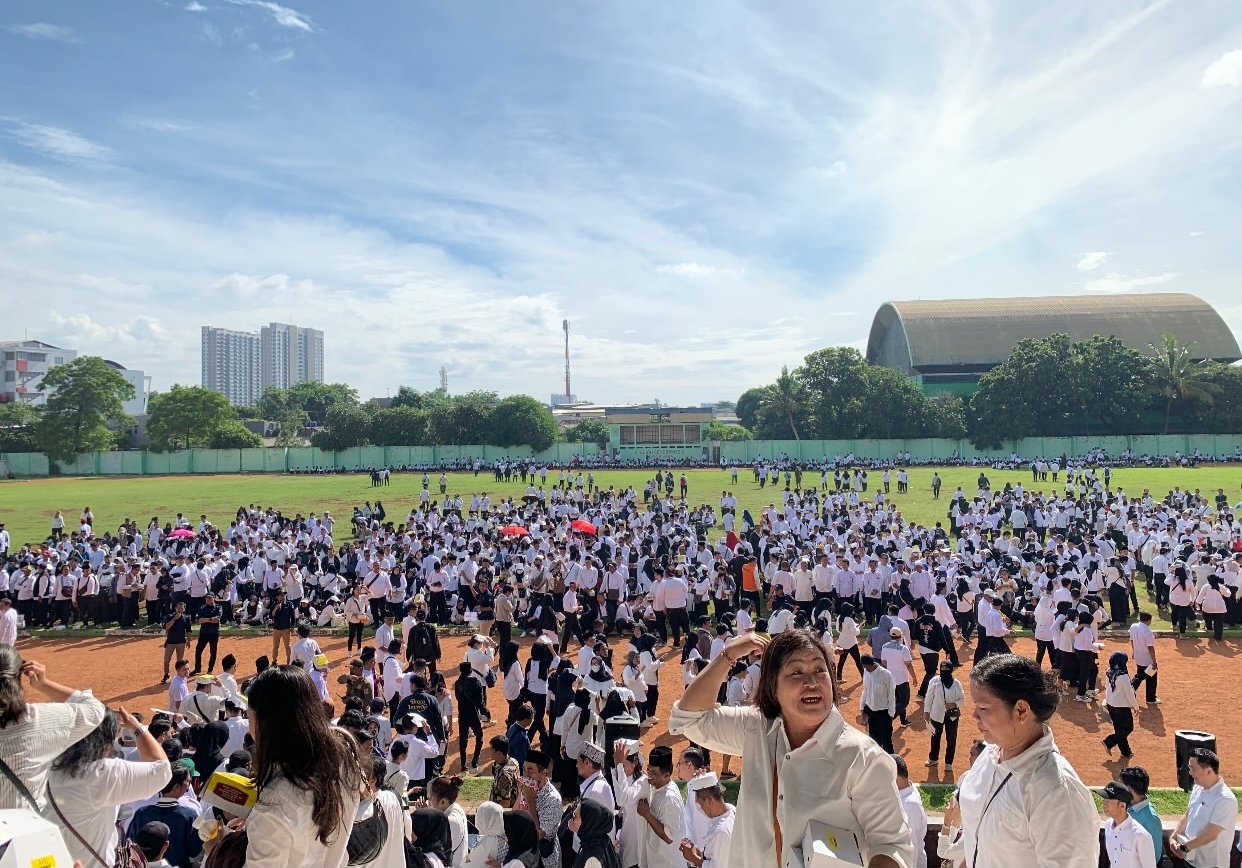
(91, 800)
(1142, 641)
(938, 697)
(719, 833)
(1214, 806)
(1129, 845)
(879, 691)
(8, 627)
(666, 804)
(1062, 828)
(281, 830)
(839, 777)
(916, 817)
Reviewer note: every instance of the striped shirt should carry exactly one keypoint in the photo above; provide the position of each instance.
(31, 744)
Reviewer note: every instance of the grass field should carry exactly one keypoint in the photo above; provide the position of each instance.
(26, 506)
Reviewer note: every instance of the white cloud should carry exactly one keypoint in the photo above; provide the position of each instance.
(283, 56)
(1113, 282)
(212, 34)
(158, 125)
(58, 143)
(79, 331)
(195, 6)
(1195, 233)
(284, 16)
(1225, 71)
(43, 30)
(697, 269)
(1092, 261)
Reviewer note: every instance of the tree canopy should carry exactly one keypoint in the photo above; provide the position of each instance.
(89, 396)
(520, 420)
(186, 416)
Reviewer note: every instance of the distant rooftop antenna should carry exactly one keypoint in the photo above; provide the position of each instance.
(568, 390)
(443, 378)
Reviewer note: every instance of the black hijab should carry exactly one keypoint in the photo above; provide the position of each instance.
(432, 835)
(207, 757)
(595, 836)
(522, 835)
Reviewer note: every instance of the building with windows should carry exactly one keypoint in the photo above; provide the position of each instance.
(947, 345)
(231, 365)
(242, 364)
(137, 405)
(647, 431)
(25, 363)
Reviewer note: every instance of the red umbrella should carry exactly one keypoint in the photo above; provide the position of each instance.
(582, 526)
(514, 530)
(182, 533)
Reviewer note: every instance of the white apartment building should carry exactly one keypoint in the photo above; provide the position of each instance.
(242, 364)
(25, 363)
(231, 365)
(137, 405)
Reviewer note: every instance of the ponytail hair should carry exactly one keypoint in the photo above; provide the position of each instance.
(12, 701)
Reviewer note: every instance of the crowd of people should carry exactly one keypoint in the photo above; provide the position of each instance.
(762, 615)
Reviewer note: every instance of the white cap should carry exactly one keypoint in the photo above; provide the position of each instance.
(703, 781)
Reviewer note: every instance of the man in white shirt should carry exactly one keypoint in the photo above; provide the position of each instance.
(1129, 845)
(896, 658)
(713, 852)
(592, 784)
(1203, 837)
(660, 833)
(1143, 650)
(8, 622)
(878, 702)
(916, 817)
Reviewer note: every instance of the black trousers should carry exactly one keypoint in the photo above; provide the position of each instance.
(355, 635)
(1123, 725)
(903, 702)
(466, 725)
(1151, 682)
(842, 653)
(931, 664)
(504, 631)
(880, 728)
(678, 623)
(1181, 614)
(950, 645)
(949, 730)
(209, 642)
(1086, 671)
(1043, 647)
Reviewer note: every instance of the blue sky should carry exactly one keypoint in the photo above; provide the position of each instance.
(707, 191)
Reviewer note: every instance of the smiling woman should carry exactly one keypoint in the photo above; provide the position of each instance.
(801, 762)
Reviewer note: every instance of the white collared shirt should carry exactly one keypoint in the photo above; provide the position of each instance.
(1215, 805)
(1129, 845)
(1062, 827)
(839, 777)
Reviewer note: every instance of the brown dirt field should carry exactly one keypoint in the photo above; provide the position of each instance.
(126, 671)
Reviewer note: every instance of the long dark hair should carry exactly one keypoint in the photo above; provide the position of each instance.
(12, 700)
(294, 740)
(75, 759)
(508, 656)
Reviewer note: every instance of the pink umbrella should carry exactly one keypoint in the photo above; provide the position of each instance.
(582, 526)
(514, 530)
(182, 533)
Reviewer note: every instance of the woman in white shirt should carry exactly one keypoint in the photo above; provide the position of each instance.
(735, 697)
(1121, 702)
(442, 795)
(1084, 653)
(801, 761)
(847, 640)
(632, 678)
(512, 679)
(87, 786)
(943, 710)
(629, 784)
(1211, 601)
(1181, 597)
(1021, 801)
(308, 775)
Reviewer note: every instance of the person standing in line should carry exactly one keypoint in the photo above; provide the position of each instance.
(912, 804)
(357, 614)
(1212, 600)
(8, 622)
(1128, 844)
(1204, 835)
(879, 702)
(283, 616)
(1121, 703)
(943, 711)
(1021, 801)
(1143, 648)
(208, 619)
(1085, 654)
(468, 691)
(895, 656)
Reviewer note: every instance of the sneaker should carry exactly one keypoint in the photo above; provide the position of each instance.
(1155, 701)
(1082, 698)
(164, 680)
(1106, 747)
(948, 768)
(931, 763)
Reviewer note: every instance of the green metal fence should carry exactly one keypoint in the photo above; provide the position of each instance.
(282, 460)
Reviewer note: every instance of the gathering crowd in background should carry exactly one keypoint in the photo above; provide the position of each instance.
(755, 620)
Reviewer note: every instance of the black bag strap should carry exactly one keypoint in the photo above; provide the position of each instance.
(18, 785)
(974, 859)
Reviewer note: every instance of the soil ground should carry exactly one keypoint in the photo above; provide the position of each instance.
(1197, 690)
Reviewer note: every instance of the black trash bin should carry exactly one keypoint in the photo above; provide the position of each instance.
(621, 726)
(1186, 740)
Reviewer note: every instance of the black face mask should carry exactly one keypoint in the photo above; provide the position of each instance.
(946, 678)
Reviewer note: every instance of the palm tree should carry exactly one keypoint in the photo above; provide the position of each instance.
(786, 398)
(1178, 377)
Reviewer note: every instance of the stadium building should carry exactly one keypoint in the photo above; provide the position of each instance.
(947, 345)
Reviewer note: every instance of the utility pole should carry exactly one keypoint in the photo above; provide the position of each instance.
(443, 379)
(568, 390)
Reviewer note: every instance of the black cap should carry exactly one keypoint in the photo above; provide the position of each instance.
(1115, 791)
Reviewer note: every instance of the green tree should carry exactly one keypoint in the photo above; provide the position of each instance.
(274, 404)
(408, 396)
(521, 420)
(234, 435)
(1033, 392)
(895, 407)
(590, 430)
(462, 420)
(835, 390)
(291, 426)
(318, 398)
(1114, 382)
(747, 407)
(1224, 414)
(186, 416)
(89, 395)
(18, 421)
(1178, 377)
(346, 426)
(785, 399)
(948, 416)
(400, 426)
(721, 431)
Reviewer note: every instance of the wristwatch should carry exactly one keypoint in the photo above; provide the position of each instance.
(140, 730)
